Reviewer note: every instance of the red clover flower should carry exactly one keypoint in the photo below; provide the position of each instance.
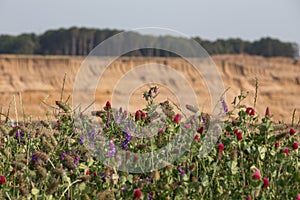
(286, 151)
(248, 198)
(256, 175)
(295, 145)
(221, 147)
(239, 136)
(107, 105)
(196, 137)
(2, 180)
(200, 130)
(266, 182)
(177, 118)
(137, 194)
(267, 112)
(292, 131)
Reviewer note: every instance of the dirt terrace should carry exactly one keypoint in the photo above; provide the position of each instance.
(39, 78)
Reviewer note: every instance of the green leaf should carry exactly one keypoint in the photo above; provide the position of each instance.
(248, 148)
(82, 186)
(262, 129)
(228, 128)
(234, 169)
(262, 151)
(273, 152)
(129, 178)
(170, 181)
(66, 179)
(205, 181)
(185, 178)
(91, 162)
(35, 191)
(210, 159)
(82, 166)
(122, 180)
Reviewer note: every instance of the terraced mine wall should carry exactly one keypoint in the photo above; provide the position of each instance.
(27, 81)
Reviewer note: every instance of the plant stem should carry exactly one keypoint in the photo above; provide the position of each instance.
(69, 186)
(212, 179)
(7, 195)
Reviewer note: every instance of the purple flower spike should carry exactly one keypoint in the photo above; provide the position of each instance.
(225, 108)
(149, 197)
(19, 135)
(63, 155)
(155, 90)
(91, 135)
(76, 159)
(112, 149)
(34, 158)
(81, 139)
(182, 171)
(203, 118)
(126, 141)
(108, 120)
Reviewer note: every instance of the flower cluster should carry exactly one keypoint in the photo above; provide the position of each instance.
(112, 149)
(19, 134)
(254, 158)
(127, 139)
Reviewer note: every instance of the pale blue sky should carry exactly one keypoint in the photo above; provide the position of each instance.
(210, 19)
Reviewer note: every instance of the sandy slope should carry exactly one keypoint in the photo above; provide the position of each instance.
(40, 77)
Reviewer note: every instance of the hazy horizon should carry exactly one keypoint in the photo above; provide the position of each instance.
(209, 20)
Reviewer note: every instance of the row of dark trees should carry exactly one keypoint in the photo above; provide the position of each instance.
(80, 41)
(267, 47)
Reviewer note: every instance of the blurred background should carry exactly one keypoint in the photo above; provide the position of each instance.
(41, 41)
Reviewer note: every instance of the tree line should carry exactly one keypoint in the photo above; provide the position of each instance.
(80, 41)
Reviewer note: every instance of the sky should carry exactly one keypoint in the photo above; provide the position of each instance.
(210, 19)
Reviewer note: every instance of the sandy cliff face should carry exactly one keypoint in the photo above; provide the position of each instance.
(39, 78)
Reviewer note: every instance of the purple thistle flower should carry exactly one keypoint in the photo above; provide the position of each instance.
(123, 188)
(70, 152)
(149, 197)
(102, 175)
(182, 171)
(155, 90)
(126, 141)
(81, 139)
(91, 135)
(76, 159)
(112, 149)
(34, 158)
(63, 155)
(124, 116)
(225, 108)
(19, 135)
(203, 118)
(117, 116)
(108, 121)
(150, 93)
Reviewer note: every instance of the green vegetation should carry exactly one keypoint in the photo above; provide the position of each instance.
(80, 41)
(254, 157)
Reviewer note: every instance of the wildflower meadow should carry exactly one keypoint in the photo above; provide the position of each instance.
(252, 158)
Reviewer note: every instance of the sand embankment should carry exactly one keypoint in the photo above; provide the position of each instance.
(40, 78)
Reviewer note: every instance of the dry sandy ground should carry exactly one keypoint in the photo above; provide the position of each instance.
(40, 78)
